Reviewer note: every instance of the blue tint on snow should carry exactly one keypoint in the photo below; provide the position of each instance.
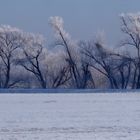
(47, 91)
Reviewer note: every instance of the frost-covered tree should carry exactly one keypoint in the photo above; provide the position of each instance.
(77, 70)
(33, 57)
(58, 70)
(100, 59)
(10, 41)
(131, 28)
(107, 62)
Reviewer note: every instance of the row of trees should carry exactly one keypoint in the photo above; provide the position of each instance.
(27, 62)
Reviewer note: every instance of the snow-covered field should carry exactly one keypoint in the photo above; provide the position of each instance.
(70, 116)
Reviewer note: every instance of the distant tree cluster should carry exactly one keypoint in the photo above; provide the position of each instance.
(27, 62)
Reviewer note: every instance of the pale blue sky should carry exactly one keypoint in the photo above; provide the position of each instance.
(82, 17)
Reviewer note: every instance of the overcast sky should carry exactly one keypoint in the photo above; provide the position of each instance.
(83, 18)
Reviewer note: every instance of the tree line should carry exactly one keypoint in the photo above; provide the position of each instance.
(27, 62)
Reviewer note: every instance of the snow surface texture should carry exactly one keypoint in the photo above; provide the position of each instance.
(70, 117)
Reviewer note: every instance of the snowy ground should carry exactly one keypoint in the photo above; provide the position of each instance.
(70, 117)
